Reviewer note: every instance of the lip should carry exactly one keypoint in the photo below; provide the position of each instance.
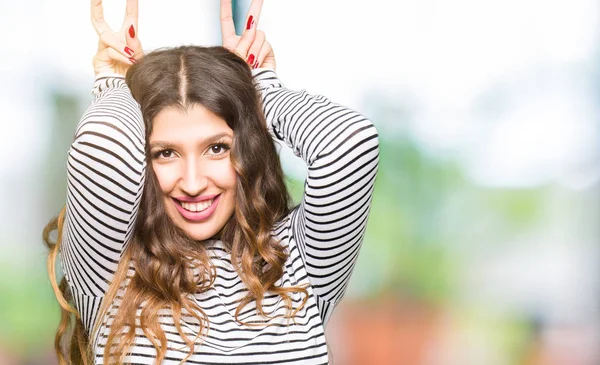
(187, 199)
(197, 216)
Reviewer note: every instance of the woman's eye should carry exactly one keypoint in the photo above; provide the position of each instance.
(164, 154)
(218, 149)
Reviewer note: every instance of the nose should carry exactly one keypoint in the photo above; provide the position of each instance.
(193, 181)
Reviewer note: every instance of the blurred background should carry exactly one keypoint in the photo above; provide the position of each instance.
(482, 245)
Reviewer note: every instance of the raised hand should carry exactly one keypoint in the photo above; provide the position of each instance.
(117, 51)
(252, 46)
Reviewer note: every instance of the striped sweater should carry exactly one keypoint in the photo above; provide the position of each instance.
(323, 234)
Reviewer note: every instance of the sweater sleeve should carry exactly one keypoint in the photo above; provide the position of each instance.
(341, 150)
(105, 169)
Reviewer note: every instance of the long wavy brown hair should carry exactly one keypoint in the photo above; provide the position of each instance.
(168, 266)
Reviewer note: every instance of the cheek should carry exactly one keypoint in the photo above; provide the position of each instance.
(225, 175)
(166, 176)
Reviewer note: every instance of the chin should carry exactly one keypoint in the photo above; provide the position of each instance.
(202, 231)
(201, 235)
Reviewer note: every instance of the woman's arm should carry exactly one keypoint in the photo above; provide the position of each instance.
(105, 168)
(105, 165)
(340, 147)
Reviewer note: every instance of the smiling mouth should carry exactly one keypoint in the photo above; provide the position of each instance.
(197, 207)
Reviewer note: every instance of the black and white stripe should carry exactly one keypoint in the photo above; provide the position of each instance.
(340, 147)
(323, 234)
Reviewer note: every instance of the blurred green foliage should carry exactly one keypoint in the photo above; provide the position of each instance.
(28, 310)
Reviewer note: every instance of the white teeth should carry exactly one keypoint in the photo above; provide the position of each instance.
(197, 207)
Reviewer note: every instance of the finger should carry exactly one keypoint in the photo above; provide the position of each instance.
(253, 14)
(249, 33)
(98, 17)
(130, 23)
(244, 44)
(111, 40)
(254, 51)
(135, 44)
(110, 56)
(226, 16)
(264, 52)
(117, 56)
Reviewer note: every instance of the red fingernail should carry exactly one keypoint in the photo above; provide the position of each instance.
(132, 60)
(250, 22)
(251, 59)
(129, 51)
(255, 65)
(131, 31)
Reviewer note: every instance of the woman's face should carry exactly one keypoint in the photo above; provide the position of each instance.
(190, 156)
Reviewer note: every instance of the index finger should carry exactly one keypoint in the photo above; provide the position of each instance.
(226, 16)
(253, 14)
(131, 14)
(98, 17)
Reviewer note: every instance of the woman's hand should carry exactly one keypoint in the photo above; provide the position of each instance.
(117, 51)
(252, 46)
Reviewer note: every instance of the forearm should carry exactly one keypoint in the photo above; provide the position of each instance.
(106, 164)
(340, 148)
(312, 125)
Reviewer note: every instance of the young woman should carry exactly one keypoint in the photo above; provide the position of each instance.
(177, 240)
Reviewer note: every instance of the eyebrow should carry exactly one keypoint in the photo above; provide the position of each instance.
(203, 141)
